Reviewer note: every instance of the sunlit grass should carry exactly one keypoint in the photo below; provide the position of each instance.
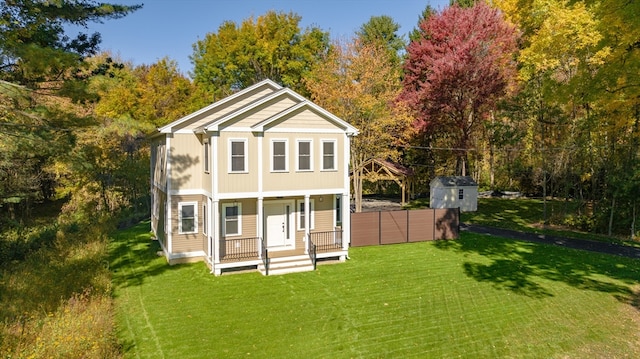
(476, 297)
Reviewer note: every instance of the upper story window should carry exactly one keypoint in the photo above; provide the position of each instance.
(279, 156)
(188, 217)
(238, 161)
(328, 155)
(304, 158)
(207, 149)
(461, 193)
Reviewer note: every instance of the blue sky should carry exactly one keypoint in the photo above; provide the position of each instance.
(169, 28)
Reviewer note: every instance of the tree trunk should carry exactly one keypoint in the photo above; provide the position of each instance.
(633, 222)
(613, 206)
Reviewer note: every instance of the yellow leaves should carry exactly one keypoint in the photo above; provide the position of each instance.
(566, 37)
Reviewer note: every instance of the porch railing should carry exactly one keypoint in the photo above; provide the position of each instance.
(312, 252)
(326, 241)
(233, 249)
(265, 256)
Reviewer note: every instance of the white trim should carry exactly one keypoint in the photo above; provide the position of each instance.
(299, 212)
(346, 127)
(245, 141)
(215, 125)
(195, 217)
(215, 167)
(304, 130)
(269, 194)
(168, 128)
(272, 154)
(224, 219)
(335, 155)
(206, 143)
(190, 192)
(168, 228)
(305, 140)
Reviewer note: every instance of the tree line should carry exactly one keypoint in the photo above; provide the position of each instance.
(541, 97)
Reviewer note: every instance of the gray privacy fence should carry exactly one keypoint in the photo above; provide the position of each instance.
(390, 227)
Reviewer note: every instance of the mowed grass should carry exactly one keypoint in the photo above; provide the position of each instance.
(476, 297)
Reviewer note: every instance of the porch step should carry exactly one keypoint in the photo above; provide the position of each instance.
(284, 265)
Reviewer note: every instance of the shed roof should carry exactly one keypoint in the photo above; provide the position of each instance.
(453, 181)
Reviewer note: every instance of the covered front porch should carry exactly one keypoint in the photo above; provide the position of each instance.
(254, 253)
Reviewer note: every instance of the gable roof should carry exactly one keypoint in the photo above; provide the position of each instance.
(227, 112)
(453, 181)
(262, 84)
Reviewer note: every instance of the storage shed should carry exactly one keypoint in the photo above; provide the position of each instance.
(454, 192)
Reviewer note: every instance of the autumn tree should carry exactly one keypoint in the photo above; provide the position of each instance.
(382, 31)
(359, 84)
(271, 46)
(43, 75)
(456, 72)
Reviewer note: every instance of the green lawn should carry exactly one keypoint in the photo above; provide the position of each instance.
(476, 297)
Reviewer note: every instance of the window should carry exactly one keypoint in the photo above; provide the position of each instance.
(188, 217)
(205, 218)
(304, 156)
(279, 156)
(206, 155)
(301, 215)
(232, 213)
(238, 151)
(461, 193)
(328, 155)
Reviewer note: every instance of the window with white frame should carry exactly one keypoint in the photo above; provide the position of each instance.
(328, 155)
(187, 217)
(279, 156)
(304, 156)
(238, 155)
(206, 156)
(232, 219)
(204, 219)
(301, 215)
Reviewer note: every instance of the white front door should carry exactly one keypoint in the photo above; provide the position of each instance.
(278, 224)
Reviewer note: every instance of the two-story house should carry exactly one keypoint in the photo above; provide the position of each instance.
(258, 179)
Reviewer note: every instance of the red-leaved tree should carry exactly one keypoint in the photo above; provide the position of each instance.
(456, 71)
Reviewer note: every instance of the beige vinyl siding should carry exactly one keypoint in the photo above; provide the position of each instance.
(237, 182)
(158, 163)
(261, 113)
(304, 118)
(190, 242)
(186, 161)
(322, 216)
(249, 217)
(302, 180)
(226, 108)
(323, 213)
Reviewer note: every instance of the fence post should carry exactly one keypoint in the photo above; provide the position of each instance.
(379, 228)
(407, 226)
(434, 224)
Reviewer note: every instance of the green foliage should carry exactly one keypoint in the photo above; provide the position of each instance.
(479, 296)
(382, 31)
(55, 292)
(271, 46)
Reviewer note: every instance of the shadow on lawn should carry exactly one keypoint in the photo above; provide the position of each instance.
(133, 256)
(523, 267)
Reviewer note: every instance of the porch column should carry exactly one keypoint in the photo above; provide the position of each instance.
(259, 223)
(307, 222)
(215, 228)
(346, 221)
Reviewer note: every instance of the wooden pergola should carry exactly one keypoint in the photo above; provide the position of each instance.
(381, 170)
